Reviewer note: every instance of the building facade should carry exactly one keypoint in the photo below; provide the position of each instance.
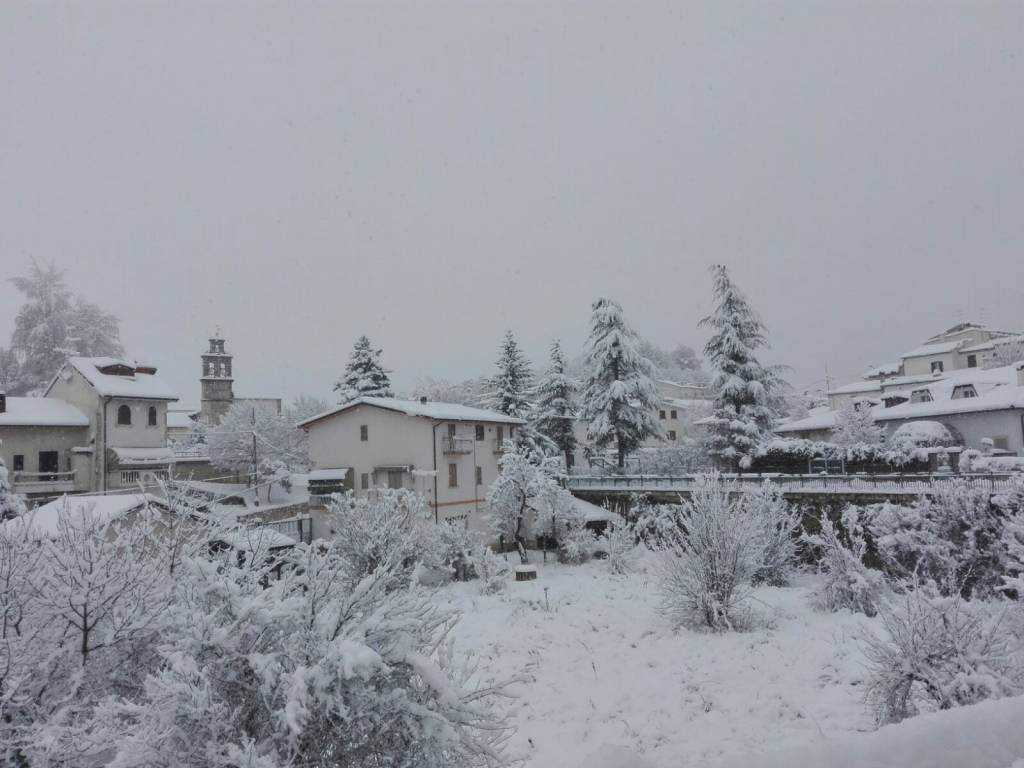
(216, 384)
(449, 453)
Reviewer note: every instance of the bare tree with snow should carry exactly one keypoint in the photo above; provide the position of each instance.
(855, 426)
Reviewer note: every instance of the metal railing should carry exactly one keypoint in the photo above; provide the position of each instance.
(914, 484)
(452, 444)
(29, 482)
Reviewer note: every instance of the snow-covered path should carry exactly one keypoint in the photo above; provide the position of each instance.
(608, 671)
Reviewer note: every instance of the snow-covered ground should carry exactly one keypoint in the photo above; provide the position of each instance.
(611, 679)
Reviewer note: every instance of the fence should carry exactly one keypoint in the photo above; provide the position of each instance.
(911, 485)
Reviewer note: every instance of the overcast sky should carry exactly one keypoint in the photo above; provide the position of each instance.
(434, 173)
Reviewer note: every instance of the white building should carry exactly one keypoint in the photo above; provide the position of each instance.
(447, 452)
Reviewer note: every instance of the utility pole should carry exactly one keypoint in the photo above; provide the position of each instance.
(255, 462)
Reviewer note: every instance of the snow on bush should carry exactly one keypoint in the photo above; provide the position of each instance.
(952, 538)
(780, 522)
(392, 527)
(939, 652)
(126, 644)
(704, 574)
(848, 582)
(1011, 505)
(11, 504)
(619, 543)
(576, 545)
(493, 572)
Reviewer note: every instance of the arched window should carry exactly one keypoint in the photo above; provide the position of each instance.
(152, 415)
(124, 416)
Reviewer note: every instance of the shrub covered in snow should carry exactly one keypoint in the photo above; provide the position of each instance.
(576, 544)
(705, 571)
(951, 538)
(11, 504)
(493, 571)
(1011, 506)
(393, 528)
(849, 583)
(780, 522)
(939, 652)
(619, 543)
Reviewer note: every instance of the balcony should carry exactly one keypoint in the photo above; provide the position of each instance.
(43, 482)
(451, 444)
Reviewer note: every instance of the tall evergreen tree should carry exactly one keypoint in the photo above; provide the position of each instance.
(364, 375)
(555, 414)
(743, 415)
(52, 325)
(620, 398)
(510, 388)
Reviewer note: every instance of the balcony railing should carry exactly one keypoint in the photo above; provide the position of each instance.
(43, 482)
(451, 444)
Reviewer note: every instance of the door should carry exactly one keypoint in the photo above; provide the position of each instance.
(394, 478)
(49, 465)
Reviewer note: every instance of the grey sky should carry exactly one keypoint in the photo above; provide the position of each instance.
(432, 173)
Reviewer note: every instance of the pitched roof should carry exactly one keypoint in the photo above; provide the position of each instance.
(429, 410)
(997, 389)
(41, 412)
(43, 521)
(144, 386)
(932, 349)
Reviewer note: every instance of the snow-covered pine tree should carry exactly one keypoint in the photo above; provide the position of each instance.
(855, 425)
(11, 503)
(555, 414)
(364, 375)
(620, 399)
(510, 392)
(743, 415)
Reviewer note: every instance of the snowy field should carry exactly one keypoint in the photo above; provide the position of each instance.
(609, 672)
(615, 687)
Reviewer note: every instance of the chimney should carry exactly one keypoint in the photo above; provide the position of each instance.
(423, 400)
(3, 402)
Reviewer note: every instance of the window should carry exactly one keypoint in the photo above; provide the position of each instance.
(661, 415)
(394, 478)
(963, 391)
(479, 475)
(937, 366)
(49, 465)
(921, 396)
(972, 361)
(479, 432)
(364, 433)
(453, 475)
(152, 415)
(364, 481)
(674, 414)
(500, 440)
(19, 462)
(124, 416)
(1001, 443)
(451, 430)
(671, 434)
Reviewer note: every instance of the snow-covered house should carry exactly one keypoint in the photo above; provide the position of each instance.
(38, 437)
(125, 403)
(445, 451)
(979, 408)
(680, 405)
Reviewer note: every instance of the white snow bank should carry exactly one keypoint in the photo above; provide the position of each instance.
(986, 735)
(611, 756)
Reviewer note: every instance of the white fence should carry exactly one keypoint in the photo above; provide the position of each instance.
(895, 485)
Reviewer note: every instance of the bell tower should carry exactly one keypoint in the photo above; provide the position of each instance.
(216, 382)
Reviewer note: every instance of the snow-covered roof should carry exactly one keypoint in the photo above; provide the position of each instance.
(677, 402)
(44, 520)
(592, 513)
(140, 456)
(817, 418)
(256, 538)
(932, 349)
(41, 412)
(997, 389)
(339, 473)
(886, 369)
(144, 386)
(429, 410)
(856, 387)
